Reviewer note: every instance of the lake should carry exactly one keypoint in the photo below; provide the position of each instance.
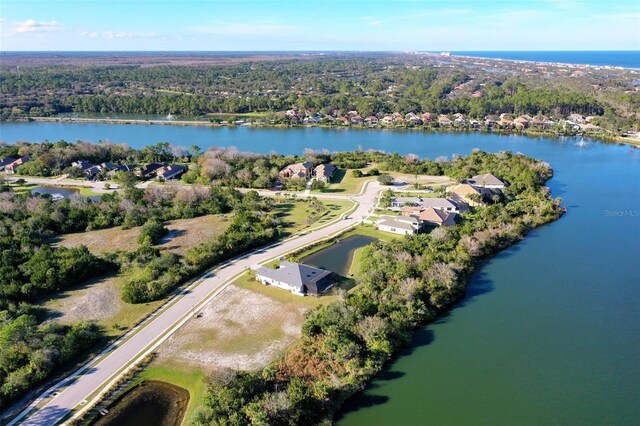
(337, 257)
(549, 331)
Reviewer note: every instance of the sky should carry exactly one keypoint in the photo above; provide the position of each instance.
(326, 25)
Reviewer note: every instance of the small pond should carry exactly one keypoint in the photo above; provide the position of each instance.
(337, 257)
(57, 192)
(152, 403)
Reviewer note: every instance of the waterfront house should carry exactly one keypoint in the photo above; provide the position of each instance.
(400, 203)
(298, 170)
(486, 180)
(436, 217)
(324, 172)
(372, 120)
(171, 171)
(521, 122)
(443, 120)
(149, 170)
(466, 193)
(297, 278)
(6, 161)
(403, 225)
(11, 167)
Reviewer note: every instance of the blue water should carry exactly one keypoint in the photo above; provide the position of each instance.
(618, 58)
(549, 332)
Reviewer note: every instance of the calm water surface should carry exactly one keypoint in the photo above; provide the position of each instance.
(338, 257)
(550, 330)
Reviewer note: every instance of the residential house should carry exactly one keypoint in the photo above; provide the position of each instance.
(6, 161)
(466, 193)
(357, 120)
(437, 217)
(108, 166)
(82, 164)
(403, 225)
(486, 180)
(324, 172)
(171, 171)
(372, 119)
(443, 120)
(298, 170)
(521, 122)
(398, 203)
(149, 170)
(427, 117)
(91, 172)
(297, 278)
(537, 123)
(11, 167)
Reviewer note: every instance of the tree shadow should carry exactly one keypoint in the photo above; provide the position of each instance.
(174, 233)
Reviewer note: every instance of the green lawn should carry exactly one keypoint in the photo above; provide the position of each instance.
(344, 182)
(294, 213)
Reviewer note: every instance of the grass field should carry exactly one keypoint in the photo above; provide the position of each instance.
(345, 183)
(294, 213)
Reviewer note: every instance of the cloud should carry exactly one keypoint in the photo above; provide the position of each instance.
(32, 26)
(127, 34)
(91, 34)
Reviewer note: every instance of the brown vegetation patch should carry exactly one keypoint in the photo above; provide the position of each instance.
(240, 328)
(183, 235)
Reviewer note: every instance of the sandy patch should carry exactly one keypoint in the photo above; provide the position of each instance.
(183, 235)
(98, 299)
(239, 329)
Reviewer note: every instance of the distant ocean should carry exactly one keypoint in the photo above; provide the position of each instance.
(616, 58)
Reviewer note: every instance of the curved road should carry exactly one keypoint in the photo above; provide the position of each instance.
(72, 391)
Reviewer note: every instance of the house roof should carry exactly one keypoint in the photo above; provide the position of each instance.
(326, 170)
(408, 223)
(171, 170)
(149, 168)
(485, 179)
(304, 277)
(437, 203)
(7, 160)
(438, 216)
(83, 164)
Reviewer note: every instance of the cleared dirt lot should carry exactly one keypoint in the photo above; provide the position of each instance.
(183, 234)
(240, 328)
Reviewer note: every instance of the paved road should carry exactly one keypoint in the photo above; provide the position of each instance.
(96, 377)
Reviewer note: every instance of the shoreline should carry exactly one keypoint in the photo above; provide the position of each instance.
(196, 123)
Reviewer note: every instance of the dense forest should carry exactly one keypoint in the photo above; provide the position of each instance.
(401, 286)
(369, 85)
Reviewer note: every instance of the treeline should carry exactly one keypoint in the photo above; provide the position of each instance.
(56, 158)
(370, 85)
(401, 286)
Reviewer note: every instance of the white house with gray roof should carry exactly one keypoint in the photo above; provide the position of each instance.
(297, 278)
(403, 225)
